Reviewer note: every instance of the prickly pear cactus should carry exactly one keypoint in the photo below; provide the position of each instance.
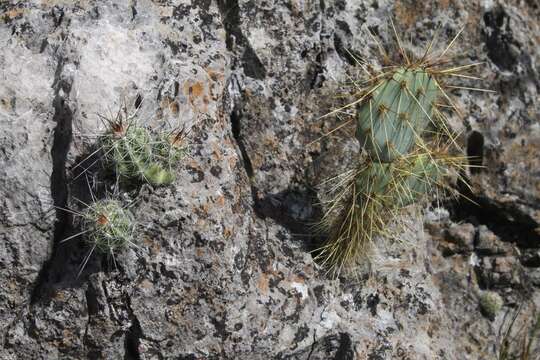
(400, 108)
(408, 144)
(374, 178)
(420, 175)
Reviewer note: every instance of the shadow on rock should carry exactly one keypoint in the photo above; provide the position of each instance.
(296, 209)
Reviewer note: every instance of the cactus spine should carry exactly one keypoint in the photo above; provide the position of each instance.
(407, 143)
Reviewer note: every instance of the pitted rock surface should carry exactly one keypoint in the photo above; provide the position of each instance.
(222, 267)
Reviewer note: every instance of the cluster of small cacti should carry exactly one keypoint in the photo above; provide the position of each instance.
(407, 144)
(136, 154)
(139, 154)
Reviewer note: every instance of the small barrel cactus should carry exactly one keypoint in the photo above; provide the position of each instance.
(490, 304)
(108, 226)
(130, 153)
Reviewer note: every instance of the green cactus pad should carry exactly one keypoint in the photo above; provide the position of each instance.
(400, 182)
(397, 113)
(418, 176)
(108, 226)
(373, 179)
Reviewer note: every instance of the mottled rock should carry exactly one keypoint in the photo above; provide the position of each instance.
(32, 117)
(222, 269)
(530, 258)
(499, 272)
(490, 244)
(462, 235)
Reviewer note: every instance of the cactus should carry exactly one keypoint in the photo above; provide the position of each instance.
(142, 155)
(136, 154)
(108, 226)
(374, 178)
(400, 108)
(418, 175)
(490, 304)
(130, 153)
(157, 175)
(354, 225)
(407, 143)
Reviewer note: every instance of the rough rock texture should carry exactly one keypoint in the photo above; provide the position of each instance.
(223, 269)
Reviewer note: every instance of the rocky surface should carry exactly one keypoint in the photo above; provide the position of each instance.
(222, 268)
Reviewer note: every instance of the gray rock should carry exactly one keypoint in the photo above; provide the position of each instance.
(462, 235)
(489, 243)
(222, 268)
(531, 258)
(31, 176)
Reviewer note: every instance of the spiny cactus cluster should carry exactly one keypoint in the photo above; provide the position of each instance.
(139, 154)
(136, 154)
(109, 226)
(407, 141)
